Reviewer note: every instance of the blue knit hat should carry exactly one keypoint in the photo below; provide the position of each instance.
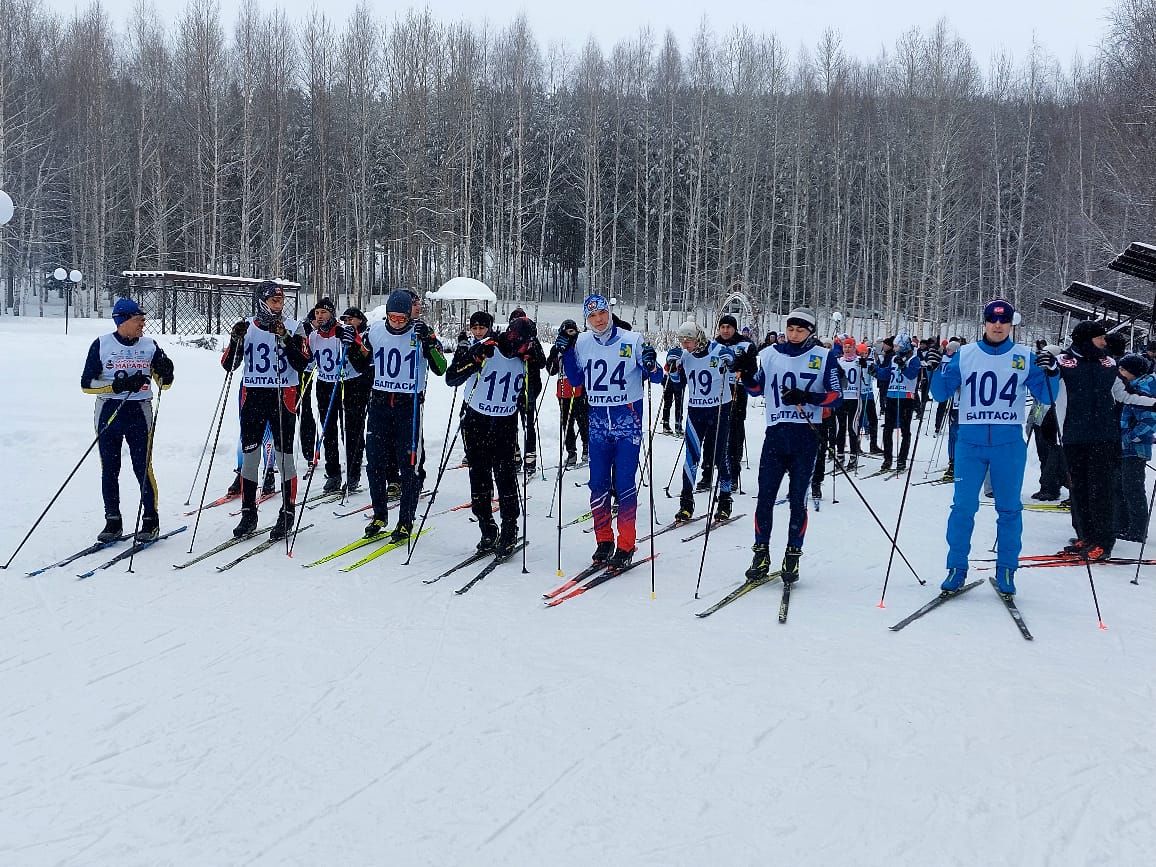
(399, 301)
(124, 310)
(593, 304)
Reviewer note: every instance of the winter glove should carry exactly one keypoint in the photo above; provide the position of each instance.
(795, 396)
(933, 358)
(130, 384)
(746, 363)
(483, 350)
(163, 367)
(239, 330)
(347, 334)
(563, 342)
(421, 331)
(1046, 360)
(463, 340)
(726, 358)
(648, 358)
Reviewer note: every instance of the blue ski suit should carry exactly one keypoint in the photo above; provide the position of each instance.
(979, 447)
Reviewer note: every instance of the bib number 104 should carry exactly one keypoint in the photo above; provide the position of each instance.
(983, 388)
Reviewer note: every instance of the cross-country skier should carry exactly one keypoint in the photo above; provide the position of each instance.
(798, 379)
(672, 394)
(728, 335)
(992, 377)
(121, 369)
(847, 415)
(353, 398)
(274, 352)
(575, 411)
(397, 352)
(611, 363)
(527, 408)
(327, 341)
(494, 373)
(898, 372)
(868, 418)
(704, 367)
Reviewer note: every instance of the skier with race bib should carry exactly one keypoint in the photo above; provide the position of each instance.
(611, 364)
(798, 379)
(121, 369)
(273, 351)
(328, 344)
(397, 352)
(992, 377)
(848, 413)
(494, 371)
(704, 367)
(898, 372)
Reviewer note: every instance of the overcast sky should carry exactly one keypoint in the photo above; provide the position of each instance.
(1065, 29)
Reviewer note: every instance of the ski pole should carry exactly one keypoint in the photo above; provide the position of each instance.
(526, 476)
(318, 442)
(212, 456)
(650, 459)
(906, 488)
(873, 513)
(205, 447)
(1144, 541)
(564, 419)
(56, 496)
(677, 462)
(446, 452)
(147, 479)
(713, 496)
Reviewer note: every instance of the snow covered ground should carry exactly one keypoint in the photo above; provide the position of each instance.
(275, 715)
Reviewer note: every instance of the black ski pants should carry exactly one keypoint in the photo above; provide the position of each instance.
(1094, 468)
(490, 444)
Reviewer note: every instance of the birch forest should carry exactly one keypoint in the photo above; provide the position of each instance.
(361, 155)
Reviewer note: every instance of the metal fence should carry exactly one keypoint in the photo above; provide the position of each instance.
(188, 309)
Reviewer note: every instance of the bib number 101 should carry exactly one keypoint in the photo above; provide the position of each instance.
(389, 364)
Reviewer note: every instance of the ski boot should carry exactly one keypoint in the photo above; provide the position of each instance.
(571, 460)
(685, 510)
(393, 491)
(790, 571)
(332, 484)
(234, 489)
(852, 464)
(875, 450)
(489, 536)
(704, 483)
(678, 428)
(666, 429)
(620, 559)
(585, 456)
(816, 491)
(886, 467)
(150, 528)
(1076, 546)
(760, 568)
(530, 464)
(353, 480)
(722, 509)
(1095, 554)
(401, 532)
(507, 540)
(270, 485)
(901, 465)
(602, 553)
(954, 581)
(113, 528)
(376, 526)
(284, 523)
(248, 523)
(949, 473)
(1005, 581)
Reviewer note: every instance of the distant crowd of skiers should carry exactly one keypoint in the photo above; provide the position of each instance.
(1093, 418)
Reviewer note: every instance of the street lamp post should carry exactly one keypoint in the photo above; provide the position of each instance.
(69, 279)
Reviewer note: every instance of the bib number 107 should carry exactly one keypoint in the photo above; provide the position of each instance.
(774, 390)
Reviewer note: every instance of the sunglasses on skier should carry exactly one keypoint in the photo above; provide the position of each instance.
(1001, 314)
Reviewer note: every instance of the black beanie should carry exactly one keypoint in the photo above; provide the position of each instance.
(727, 319)
(353, 311)
(517, 313)
(1087, 330)
(481, 317)
(326, 304)
(1137, 365)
